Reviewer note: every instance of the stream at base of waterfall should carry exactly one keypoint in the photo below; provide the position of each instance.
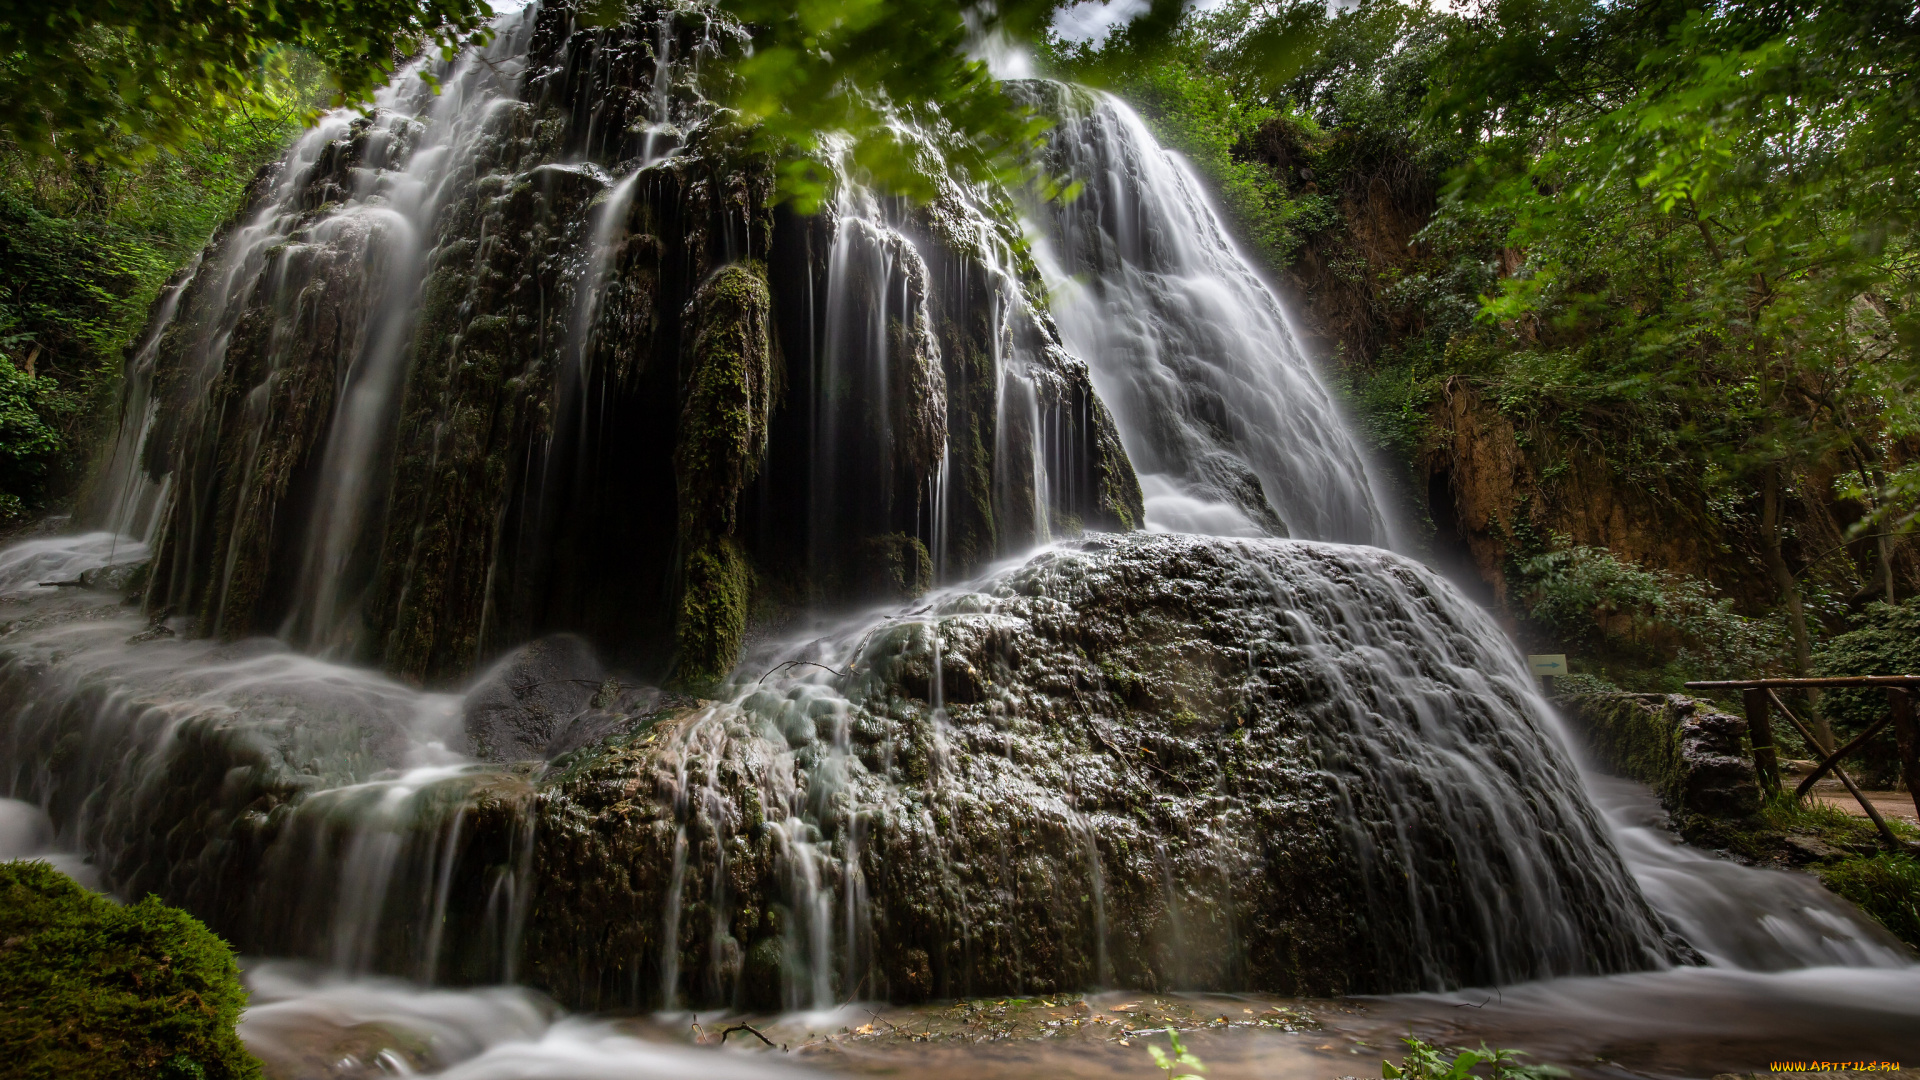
(309, 1023)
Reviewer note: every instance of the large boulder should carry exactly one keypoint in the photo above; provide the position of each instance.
(530, 697)
(1153, 761)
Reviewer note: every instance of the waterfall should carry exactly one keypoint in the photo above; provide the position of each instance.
(1220, 408)
(511, 361)
(389, 173)
(897, 793)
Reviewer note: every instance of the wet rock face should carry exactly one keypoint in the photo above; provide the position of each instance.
(1154, 761)
(532, 697)
(538, 355)
(1692, 757)
(270, 794)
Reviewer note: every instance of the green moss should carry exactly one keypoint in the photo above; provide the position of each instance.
(1632, 736)
(722, 439)
(1695, 759)
(723, 419)
(94, 989)
(895, 566)
(713, 614)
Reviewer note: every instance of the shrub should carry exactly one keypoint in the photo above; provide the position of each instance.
(95, 989)
(1589, 598)
(1885, 886)
(29, 447)
(1886, 641)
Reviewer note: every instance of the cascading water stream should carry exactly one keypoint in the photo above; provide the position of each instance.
(410, 163)
(1220, 408)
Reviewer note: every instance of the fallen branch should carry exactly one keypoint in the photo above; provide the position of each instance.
(749, 1028)
(847, 674)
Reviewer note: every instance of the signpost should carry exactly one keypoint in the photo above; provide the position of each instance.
(1547, 665)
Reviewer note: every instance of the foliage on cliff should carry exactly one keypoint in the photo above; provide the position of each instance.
(85, 247)
(97, 989)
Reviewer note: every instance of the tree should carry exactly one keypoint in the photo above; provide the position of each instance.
(1728, 192)
(826, 70)
(118, 80)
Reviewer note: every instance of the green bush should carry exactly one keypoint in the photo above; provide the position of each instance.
(29, 446)
(94, 989)
(1592, 600)
(1886, 886)
(1886, 641)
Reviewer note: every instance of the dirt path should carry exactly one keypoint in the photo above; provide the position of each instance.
(1891, 804)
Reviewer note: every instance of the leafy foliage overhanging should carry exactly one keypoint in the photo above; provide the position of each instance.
(118, 81)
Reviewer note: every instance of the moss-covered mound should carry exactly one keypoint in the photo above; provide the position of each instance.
(94, 989)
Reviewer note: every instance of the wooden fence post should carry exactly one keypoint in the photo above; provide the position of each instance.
(1760, 730)
(1900, 704)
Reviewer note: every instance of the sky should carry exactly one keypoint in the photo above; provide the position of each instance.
(1092, 20)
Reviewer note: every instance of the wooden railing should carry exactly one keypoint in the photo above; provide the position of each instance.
(1760, 698)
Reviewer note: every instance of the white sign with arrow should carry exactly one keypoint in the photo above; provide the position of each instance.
(1546, 665)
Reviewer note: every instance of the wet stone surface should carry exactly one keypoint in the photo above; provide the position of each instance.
(1151, 761)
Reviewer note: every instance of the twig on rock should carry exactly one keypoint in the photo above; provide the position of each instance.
(749, 1028)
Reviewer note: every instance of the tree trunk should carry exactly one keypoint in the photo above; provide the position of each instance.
(1770, 514)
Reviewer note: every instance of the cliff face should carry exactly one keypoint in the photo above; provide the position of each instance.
(629, 396)
(1498, 491)
(1499, 488)
(1504, 466)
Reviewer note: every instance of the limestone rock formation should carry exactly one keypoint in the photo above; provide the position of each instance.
(1154, 761)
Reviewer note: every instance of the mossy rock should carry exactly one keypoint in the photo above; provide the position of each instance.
(95, 989)
(1694, 758)
(713, 614)
(894, 567)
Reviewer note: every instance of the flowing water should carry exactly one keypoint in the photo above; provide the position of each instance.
(1222, 412)
(347, 818)
(1791, 969)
